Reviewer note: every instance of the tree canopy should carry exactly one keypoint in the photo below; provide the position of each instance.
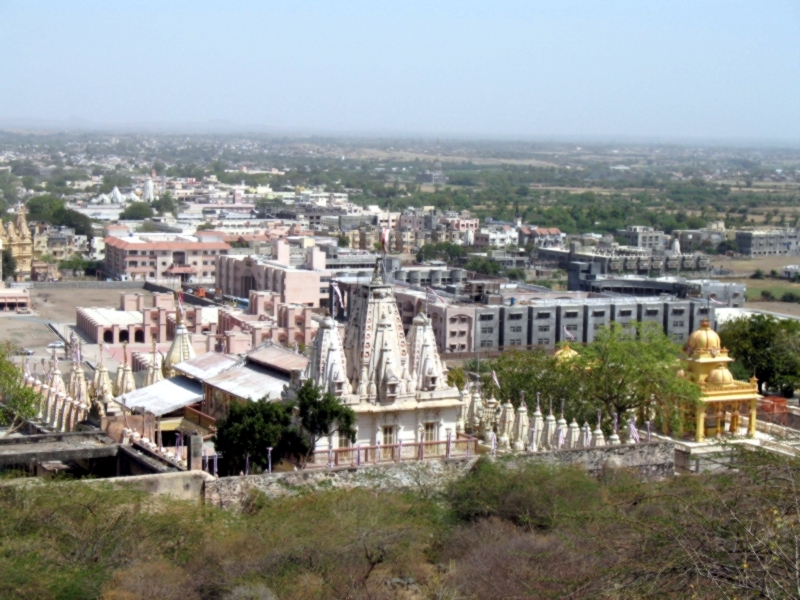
(136, 211)
(18, 401)
(165, 204)
(323, 415)
(766, 346)
(621, 370)
(9, 264)
(251, 427)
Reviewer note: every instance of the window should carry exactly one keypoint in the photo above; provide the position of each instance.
(543, 341)
(487, 329)
(597, 326)
(651, 312)
(625, 313)
(516, 329)
(543, 315)
(572, 327)
(487, 317)
(598, 313)
(431, 432)
(572, 314)
(544, 328)
(677, 323)
(515, 343)
(677, 311)
(515, 316)
(344, 441)
(486, 343)
(323, 290)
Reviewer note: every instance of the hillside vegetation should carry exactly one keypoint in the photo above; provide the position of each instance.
(536, 532)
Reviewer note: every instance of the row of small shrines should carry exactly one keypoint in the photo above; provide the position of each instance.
(506, 429)
(62, 405)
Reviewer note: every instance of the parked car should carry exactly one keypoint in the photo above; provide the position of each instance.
(55, 345)
(24, 352)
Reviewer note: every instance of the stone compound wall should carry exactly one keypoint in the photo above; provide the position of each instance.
(655, 460)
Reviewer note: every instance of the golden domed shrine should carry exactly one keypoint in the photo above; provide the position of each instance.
(565, 353)
(723, 399)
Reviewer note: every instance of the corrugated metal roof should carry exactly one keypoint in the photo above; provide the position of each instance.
(278, 358)
(165, 396)
(206, 365)
(249, 381)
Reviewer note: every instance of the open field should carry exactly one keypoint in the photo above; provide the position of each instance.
(52, 305)
(786, 308)
(747, 266)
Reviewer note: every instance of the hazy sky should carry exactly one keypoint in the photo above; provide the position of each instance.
(698, 69)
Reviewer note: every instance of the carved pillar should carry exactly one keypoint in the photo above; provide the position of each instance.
(751, 425)
(700, 424)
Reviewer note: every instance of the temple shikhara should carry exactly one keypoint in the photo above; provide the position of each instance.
(396, 386)
(16, 237)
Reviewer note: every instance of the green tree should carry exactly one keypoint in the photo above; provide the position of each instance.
(482, 265)
(533, 372)
(165, 204)
(66, 217)
(344, 241)
(623, 370)
(41, 208)
(205, 227)
(19, 402)
(322, 415)
(766, 346)
(457, 376)
(515, 274)
(136, 211)
(251, 427)
(9, 264)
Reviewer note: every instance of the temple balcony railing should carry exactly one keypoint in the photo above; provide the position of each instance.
(354, 456)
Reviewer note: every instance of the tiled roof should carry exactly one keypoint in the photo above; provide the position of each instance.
(140, 244)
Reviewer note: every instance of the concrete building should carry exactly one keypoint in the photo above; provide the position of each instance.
(640, 236)
(523, 316)
(585, 277)
(768, 242)
(303, 281)
(544, 237)
(619, 259)
(496, 236)
(190, 258)
(140, 319)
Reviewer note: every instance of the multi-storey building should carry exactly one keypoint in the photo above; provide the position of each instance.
(498, 236)
(160, 256)
(526, 318)
(643, 237)
(768, 242)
